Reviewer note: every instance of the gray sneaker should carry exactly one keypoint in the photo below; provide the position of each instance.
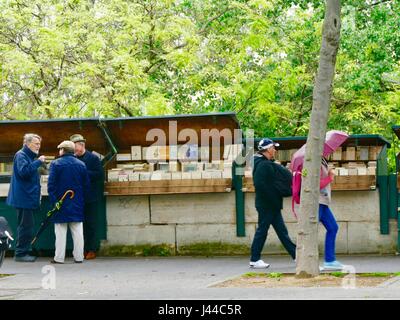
(26, 258)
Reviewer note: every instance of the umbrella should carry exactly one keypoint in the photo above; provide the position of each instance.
(49, 214)
(5, 238)
(333, 140)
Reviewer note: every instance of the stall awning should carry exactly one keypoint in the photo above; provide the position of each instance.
(52, 132)
(127, 132)
(352, 141)
(124, 132)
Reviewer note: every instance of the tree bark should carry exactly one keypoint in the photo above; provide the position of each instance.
(307, 235)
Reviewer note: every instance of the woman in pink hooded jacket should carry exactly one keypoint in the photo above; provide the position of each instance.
(327, 218)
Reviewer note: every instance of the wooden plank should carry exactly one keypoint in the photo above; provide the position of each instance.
(367, 182)
(168, 187)
(398, 181)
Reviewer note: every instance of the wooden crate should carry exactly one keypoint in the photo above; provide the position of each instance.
(248, 185)
(168, 187)
(367, 182)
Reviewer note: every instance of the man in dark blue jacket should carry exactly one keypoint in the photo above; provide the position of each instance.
(95, 171)
(269, 203)
(24, 193)
(68, 173)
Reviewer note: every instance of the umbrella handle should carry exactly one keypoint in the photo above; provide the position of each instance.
(65, 194)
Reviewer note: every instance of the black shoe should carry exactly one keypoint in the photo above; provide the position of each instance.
(26, 258)
(78, 261)
(56, 262)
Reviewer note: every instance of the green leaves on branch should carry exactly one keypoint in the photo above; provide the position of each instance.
(147, 57)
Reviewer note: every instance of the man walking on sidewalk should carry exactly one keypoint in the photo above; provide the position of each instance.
(269, 203)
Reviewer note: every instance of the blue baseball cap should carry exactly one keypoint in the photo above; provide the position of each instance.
(267, 143)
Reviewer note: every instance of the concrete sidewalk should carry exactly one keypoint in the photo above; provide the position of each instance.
(176, 278)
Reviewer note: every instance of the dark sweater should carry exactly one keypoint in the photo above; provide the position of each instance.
(264, 174)
(95, 172)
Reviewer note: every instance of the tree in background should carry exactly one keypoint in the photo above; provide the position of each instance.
(75, 58)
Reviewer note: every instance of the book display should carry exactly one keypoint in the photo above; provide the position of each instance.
(171, 169)
(355, 165)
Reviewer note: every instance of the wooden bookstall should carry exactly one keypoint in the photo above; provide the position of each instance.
(131, 135)
(356, 163)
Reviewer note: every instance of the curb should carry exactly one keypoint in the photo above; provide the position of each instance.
(395, 282)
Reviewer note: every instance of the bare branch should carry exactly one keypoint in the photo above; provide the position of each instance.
(374, 4)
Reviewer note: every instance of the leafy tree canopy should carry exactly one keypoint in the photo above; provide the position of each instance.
(76, 58)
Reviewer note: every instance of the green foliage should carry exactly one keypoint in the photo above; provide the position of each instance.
(258, 58)
(338, 274)
(139, 250)
(275, 275)
(213, 249)
(272, 275)
(253, 275)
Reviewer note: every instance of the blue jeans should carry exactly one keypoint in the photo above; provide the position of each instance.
(329, 222)
(265, 219)
(25, 231)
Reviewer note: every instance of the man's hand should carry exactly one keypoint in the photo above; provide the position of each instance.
(42, 158)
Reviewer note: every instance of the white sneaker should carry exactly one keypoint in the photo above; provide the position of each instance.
(259, 264)
(334, 265)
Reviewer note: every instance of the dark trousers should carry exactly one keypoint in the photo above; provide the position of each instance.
(89, 226)
(25, 230)
(329, 222)
(265, 219)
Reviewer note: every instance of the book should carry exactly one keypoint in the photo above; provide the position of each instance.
(136, 152)
(124, 157)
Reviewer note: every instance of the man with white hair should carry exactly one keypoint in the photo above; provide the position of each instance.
(24, 193)
(68, 173)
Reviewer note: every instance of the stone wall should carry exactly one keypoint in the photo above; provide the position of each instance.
(187, 219)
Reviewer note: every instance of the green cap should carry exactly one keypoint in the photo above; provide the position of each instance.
(77, 138)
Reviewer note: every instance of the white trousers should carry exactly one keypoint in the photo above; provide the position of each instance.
(61, 240)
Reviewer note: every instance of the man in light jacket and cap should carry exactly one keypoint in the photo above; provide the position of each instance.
(24, 193)
(68, 173)
(95, 171)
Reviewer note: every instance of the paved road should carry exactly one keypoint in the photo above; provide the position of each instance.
(175, 278)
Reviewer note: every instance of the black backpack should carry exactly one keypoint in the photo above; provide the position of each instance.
(283, 181)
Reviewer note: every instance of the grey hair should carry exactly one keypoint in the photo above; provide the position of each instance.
(28, 137)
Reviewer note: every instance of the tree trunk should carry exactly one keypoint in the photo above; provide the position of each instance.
(307, 235)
